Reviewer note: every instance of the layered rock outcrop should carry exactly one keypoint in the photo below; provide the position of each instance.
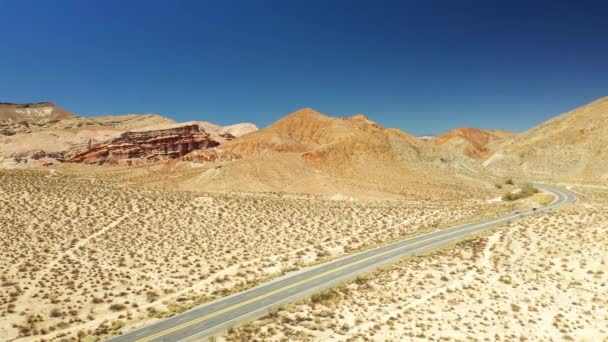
(144, 145)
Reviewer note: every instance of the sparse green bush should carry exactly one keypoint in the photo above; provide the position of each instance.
(117, 307)
(361, 280)
(117, 325)
(525, 191)
(325, 297)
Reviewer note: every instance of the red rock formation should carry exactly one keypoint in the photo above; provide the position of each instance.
(140, 146)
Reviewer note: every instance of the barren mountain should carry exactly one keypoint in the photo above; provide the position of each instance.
(32, 112)
(305, 152)
(44, 131)
(310, 152)
(569, 146)
(319, 136)
(472, 142)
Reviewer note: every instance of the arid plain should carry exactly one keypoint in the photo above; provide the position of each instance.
(89, 257)
(542, 278)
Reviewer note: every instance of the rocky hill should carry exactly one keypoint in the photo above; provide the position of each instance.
(304, 152)
(340, 145)
(32, 112)
(44, 131)
(310, 152)
(143, 145)
(569, 146)
(307, 130)
(473, 142)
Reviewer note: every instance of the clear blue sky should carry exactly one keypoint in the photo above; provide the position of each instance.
(421, 66)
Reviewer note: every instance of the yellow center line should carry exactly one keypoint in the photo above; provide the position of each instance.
(268, 294)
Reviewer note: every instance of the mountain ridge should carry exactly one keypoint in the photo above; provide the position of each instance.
(570, 146)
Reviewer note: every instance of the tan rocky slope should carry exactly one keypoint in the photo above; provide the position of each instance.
(310, 152)
(320, 138)
(569, 146)
(32, 112)
(473, 142)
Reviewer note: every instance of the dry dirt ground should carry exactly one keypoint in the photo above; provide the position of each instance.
(542, 278)
(85, 257)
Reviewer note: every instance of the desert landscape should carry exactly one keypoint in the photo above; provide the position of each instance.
(541, 277)
(303, 171)
(148, 224)
(103, 257)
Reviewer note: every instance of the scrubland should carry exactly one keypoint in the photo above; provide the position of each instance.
(86, 258)
(542, 278)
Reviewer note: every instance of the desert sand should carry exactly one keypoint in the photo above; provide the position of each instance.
(90, 251)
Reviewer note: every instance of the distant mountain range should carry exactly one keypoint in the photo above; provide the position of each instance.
(307, 151)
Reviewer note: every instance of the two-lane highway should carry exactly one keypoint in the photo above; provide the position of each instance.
(216, 316)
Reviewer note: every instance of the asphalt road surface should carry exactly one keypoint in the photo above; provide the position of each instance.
(217, 316)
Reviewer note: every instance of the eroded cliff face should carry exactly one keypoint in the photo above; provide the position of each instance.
(143, 146)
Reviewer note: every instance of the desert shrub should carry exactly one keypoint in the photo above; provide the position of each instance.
(152, 296)
(361, 280)
(117, 307)
(117, 325)
(525, 191)
(324, 297)
(56, 313)
(508, 197)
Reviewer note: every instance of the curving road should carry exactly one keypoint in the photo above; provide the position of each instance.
(214, 317)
